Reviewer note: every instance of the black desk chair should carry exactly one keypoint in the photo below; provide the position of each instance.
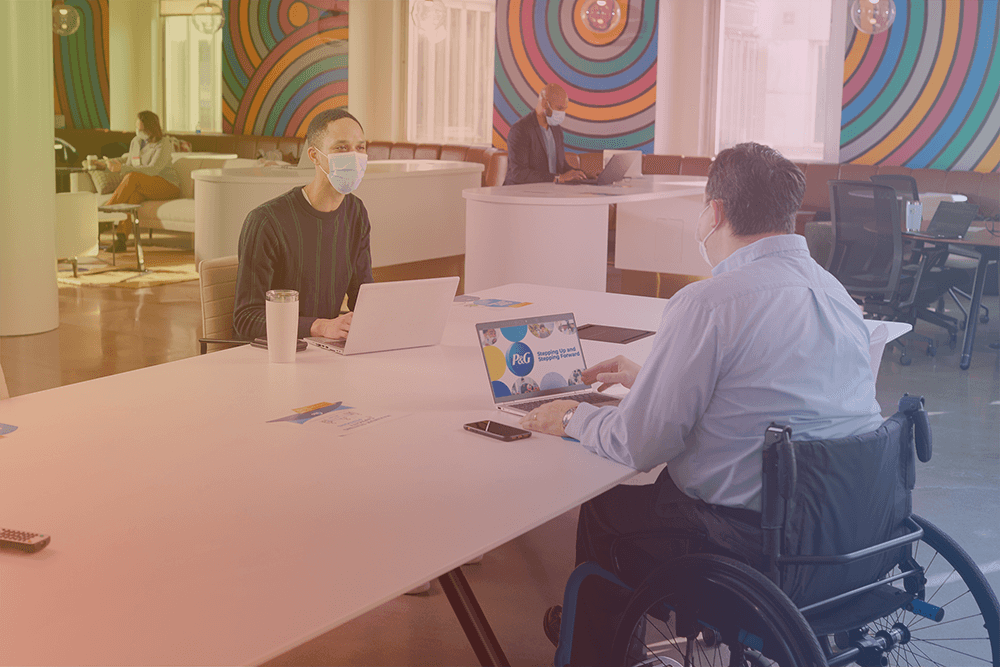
(891, 280)
(959, 257)
(846, 572)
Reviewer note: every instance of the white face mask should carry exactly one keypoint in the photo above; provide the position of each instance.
(142, 134)
(557, 118)
(345, 170)
(701, 242)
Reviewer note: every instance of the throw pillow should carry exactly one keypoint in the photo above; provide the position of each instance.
(179, 145)
(105, 181)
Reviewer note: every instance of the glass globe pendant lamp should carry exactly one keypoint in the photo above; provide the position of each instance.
(208, 17)
(65, 19)
(873, 16)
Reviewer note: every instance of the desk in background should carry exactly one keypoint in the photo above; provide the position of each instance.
(557, 235)
(988, 246)
(415, 206)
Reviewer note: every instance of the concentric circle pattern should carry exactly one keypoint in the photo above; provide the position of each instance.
(604, 55)
(924, 93)
(284, 61)
(81, 68)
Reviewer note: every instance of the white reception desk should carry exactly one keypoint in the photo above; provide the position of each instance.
(414, 206)
(557, 235)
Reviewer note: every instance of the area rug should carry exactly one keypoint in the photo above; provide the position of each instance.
(164, 266)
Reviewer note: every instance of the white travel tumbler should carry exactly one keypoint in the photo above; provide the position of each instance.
(914, 215)
(282, 312)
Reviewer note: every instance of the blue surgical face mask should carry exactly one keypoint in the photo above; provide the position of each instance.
(701, 242)
(557, 118)
(345, 170)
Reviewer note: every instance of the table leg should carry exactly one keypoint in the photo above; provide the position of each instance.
(470, 615)
(977, 297)
(136, 232)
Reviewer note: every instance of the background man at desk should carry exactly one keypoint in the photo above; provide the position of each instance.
(535, 151)
(771, 336)
(313, 239)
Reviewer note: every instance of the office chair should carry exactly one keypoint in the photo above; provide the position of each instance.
(868, 259)
(217, 278)
(959, 257)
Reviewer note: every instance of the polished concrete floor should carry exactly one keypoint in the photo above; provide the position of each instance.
(112, 330)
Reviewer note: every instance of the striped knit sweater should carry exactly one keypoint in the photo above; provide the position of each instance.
(287, 244)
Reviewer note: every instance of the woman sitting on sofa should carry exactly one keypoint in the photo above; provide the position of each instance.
(148, 171)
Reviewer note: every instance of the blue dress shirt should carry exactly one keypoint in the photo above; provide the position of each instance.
(771, 336)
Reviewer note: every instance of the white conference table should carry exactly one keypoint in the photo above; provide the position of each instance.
(195, 532)
(415, 206)
(557, 235)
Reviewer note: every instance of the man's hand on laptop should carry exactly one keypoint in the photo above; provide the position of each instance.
(337, 328)
(571, 175)
(619, 370)
(548, 418)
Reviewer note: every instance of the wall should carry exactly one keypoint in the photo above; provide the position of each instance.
(923, 93)
(284, 61)
(81, 68)
(610, 77)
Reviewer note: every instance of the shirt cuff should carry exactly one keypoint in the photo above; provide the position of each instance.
(574, 428)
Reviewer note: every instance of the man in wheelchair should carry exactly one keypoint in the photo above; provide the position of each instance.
(770, 337)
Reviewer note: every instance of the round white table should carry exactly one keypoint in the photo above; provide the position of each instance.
(415, 206)
(557, 235)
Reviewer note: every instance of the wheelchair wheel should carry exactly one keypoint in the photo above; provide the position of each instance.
(711, 610)
(969, 632)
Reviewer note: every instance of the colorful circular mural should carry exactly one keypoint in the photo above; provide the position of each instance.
(603, 52)
(284, 61)
(923, 94)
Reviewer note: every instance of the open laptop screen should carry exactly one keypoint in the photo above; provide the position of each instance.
(532, 357)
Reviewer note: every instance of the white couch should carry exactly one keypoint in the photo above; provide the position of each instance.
(176, 215)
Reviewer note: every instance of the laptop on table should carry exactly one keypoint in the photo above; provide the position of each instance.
(613, 171)
(395, 316)
(951, 221)
(535, 360)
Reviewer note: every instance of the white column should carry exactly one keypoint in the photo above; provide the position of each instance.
(29, 298)
(376, 74)
(133, 61)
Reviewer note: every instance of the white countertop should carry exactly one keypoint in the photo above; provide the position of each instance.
(551, 194)
(376, 169)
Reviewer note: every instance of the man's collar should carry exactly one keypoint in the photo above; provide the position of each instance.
(771, 245)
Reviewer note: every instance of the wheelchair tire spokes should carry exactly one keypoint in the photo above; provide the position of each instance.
(968, 632)
(726, 614)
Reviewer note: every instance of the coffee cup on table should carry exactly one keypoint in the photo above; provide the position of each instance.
(282, 312)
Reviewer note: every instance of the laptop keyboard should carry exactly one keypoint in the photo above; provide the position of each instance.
(594, 398)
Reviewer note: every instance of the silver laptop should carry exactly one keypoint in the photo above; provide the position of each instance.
(396, 316)
(534, 360)
(613, 171)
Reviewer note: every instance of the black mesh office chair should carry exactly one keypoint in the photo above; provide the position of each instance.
(870, 260)
(959, 257)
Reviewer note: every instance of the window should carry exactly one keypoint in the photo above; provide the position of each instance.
(773, 75)
(192, 72)
(450, 71)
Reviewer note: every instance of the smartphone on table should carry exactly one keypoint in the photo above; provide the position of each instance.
(497, 430)
(300, 344)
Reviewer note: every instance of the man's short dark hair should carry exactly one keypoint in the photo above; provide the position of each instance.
(318, 125)
(759, 188)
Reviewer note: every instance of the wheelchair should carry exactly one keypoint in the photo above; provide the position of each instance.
(847, 574)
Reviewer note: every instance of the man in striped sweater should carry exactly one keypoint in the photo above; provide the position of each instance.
(314, 239)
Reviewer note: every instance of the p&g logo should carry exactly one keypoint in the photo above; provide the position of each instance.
(520, 359)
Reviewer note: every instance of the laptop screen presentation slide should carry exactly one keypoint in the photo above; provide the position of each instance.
(534, 360)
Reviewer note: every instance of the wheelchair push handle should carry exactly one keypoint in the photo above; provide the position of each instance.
(913, 408)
